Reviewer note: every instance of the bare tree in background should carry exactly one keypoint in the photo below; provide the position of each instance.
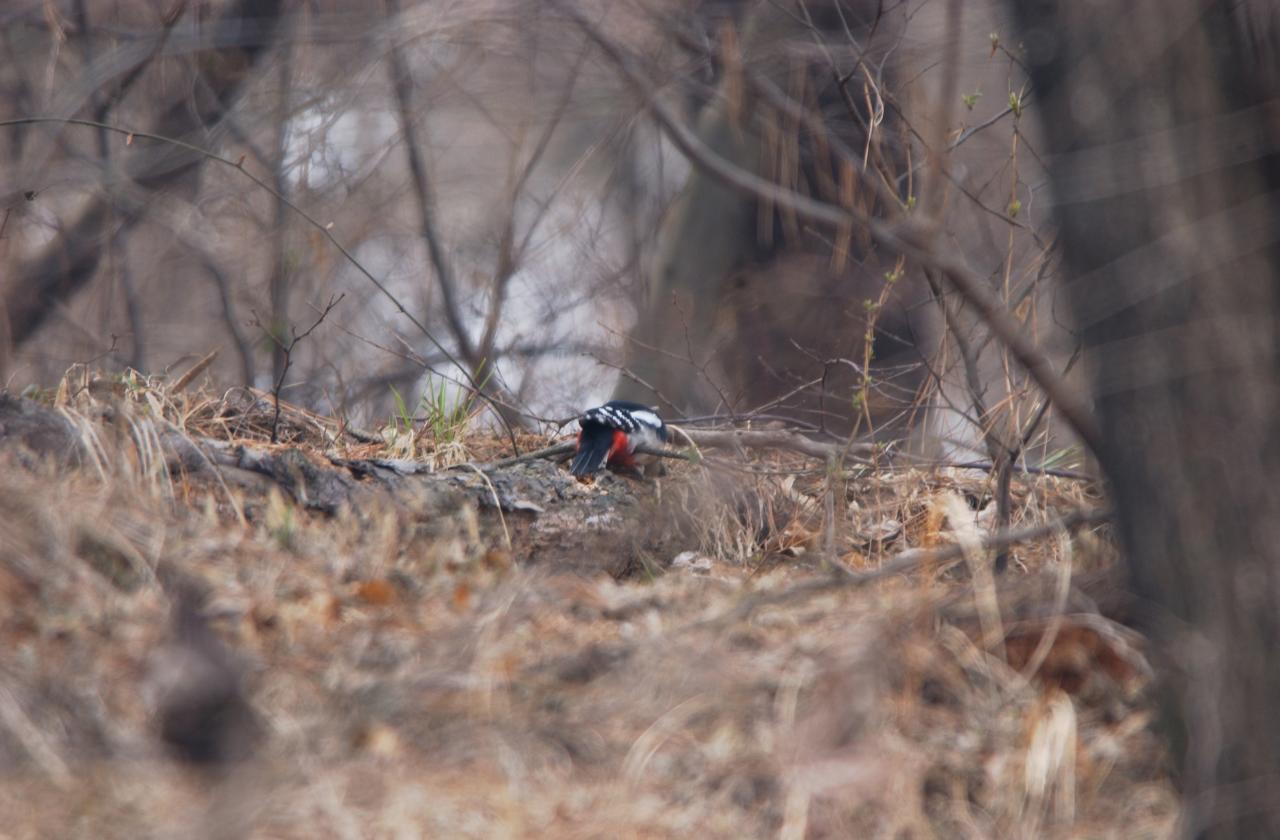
(773, 314)
(504, 210)
(301, 123)
(1162, 120)
(237, 40)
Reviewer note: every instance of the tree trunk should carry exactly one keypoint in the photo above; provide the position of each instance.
(704, 235)
(745, 305)
(1162, 123)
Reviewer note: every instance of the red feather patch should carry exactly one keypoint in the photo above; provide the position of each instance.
(619, 455)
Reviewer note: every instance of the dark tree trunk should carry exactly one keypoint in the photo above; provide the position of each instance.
(745, 305)
(1163, 124)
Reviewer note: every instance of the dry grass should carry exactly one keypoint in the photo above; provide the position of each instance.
(414, 679)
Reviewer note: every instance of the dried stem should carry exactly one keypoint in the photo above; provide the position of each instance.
(906, 562)
(286, 350)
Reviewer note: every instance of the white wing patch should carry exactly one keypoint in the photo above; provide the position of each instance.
(641, 425)
(648, 418)
(611, 417)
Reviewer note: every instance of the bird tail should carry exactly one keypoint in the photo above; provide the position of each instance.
(593, 452)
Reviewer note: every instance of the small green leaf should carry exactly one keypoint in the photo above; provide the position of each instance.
(1015, 103)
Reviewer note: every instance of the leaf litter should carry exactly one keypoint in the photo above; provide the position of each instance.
(430, 654)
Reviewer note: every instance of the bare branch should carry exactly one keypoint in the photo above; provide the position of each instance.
(324, 230)
(912, 239)
(547, 452)
(511, 253)
(64, 266)
(400, 84)
(775, 439)
(286, 350)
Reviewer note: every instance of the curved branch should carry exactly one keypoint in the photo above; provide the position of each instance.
(914, 240)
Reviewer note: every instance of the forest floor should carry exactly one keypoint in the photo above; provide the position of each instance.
(382, 639)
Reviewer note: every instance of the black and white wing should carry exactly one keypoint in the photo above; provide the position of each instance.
(641, 424)
(611, 432)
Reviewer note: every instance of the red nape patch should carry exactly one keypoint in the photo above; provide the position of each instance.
(618, 454)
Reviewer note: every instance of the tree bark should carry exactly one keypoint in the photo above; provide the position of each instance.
(1163, 125)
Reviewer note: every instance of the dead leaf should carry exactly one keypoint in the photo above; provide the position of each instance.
(1078, 650)
(376, 593)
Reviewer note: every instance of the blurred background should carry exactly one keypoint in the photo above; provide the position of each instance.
(493, 193)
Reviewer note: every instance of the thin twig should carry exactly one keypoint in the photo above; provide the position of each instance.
(569, 446)
(286, 351)
(497, 502)
(547, 452)
(736, 439)
(774, 439)
(908, 561)
(325, 231)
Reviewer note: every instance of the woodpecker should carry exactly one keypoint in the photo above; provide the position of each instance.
(609, 437)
